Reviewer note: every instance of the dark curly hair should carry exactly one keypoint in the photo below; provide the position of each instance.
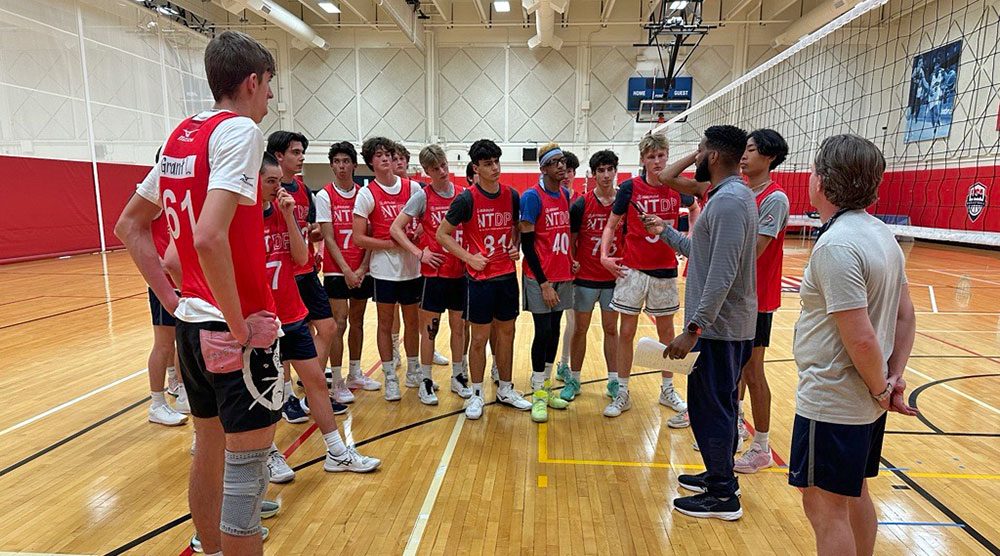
(484, 149)
(728, 140)
(470, 174)
(373, 144)
(572, 162)
(851, 168)
(603, 158)
(770, 143)
(343, 147)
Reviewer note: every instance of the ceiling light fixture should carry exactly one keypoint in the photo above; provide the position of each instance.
(501, 6)
(329, 7)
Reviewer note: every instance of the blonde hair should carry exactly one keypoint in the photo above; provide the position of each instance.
(432, 155)
(546, 148)
(653, 141)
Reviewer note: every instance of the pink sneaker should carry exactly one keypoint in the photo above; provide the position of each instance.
(362, 382)
(754, 460)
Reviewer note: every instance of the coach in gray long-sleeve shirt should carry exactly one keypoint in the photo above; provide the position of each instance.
(720, 310)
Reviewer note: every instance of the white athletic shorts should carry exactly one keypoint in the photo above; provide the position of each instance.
(638, 291)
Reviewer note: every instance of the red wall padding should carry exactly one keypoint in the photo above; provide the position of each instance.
(117, 185)
(48, 208)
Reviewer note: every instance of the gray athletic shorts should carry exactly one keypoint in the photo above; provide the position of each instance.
(534, 303)
(585, 298)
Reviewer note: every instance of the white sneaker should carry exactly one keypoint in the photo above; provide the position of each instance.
(351, 461)
(173, 381)
(342, 394)
(413, 378)
(670, 398)
(362, 382)
(165, 415)
(396, 357)
(426, 392)
(679, 421)
(495, 373)
(440, 359)
(513, 398)
(460, 386)
(280, 471)
(741, 424)
(474, 407)
(392, 390)
(181, 404)
(619, 405)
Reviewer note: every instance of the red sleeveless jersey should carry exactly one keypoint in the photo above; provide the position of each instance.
(184, 172)
(301, 211)
(161, 239)
(387, 208)
(588, 241)
(489, 232)
(434, 213)
(342, 214)
(644, 251)
(280, 274)
(769, 264)
(552, 237)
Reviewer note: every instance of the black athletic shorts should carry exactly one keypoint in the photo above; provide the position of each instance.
(297, 343)
(314, 297)
(336, 288)
(246, 399)
(444, 294)
(404, 292)
(490, 300)
(762, 337)
(161, 317)
(835, 458)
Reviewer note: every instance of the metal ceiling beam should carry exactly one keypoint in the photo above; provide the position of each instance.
(313, 7)
(350, 5)
(606, 13)
(482, 11)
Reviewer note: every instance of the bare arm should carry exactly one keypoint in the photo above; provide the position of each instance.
(762, 243)
(211, 241)
(671, 177)
(330, 243)
(612, 264)
(172, 264)
(300, 252)
(862, 346)
(365, 241)
(447, 240)
(398, 233)
(906, 328)
(133, 228)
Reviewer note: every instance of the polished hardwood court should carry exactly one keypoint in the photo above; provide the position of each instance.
(83, 472)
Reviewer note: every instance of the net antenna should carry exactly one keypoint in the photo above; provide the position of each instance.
(675, 25)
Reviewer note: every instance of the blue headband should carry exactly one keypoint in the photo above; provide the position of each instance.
(549, 156)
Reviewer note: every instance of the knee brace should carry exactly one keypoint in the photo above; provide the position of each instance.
(243, 485)
(433, 327)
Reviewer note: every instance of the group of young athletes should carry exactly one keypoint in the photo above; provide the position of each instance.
(252, 274)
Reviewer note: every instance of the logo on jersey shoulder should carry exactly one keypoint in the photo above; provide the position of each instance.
(177, 168)
(187, 137)
(975, 201)
(768, 220)
(248, 180)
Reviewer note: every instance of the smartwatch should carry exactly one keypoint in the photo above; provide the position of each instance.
(693, 328)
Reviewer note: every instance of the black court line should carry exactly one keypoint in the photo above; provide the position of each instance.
(68, 311)
(917, 391)
(21, 300)
(184, 518)
(965, 526)
(73, 436)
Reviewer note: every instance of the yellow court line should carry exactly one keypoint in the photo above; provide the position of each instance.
(543, 457)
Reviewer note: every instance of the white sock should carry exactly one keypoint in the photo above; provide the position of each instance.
(505, 385)
(389, 368)
(288, 389)
(564, 358)
(576, 375)
(354, 367)
(760, 439)
(158, 399)
(412, 365)
(537, 378)
(477, 389)
(334, 443)
(612, 376)
(548, 370)
(338, 374)
(425, 371)
(668, 382)
(457, 369)
(741, 408)
(395, 342)
(172, 371)
(623, 383)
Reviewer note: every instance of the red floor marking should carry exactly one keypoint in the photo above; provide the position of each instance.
(965, 349)
(777, 458)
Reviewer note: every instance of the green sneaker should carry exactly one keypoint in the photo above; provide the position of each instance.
(612, 389)
(571, 389)
(539, 406)
(555, 402)
(562, 372)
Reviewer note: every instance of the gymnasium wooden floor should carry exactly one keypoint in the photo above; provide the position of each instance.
(83, 472)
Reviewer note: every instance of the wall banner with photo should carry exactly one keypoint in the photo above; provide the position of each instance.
(933, 82)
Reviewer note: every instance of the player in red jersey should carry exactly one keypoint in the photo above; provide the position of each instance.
(562, 369)
(444, 274)
(548, 273)
(646, 272)
(226, 330)
(286, 248)
(396, 272)
(488, 213)
(345, 268)
(593, 283)
(289, 148)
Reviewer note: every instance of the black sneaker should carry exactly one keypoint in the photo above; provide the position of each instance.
(706, 505)
(338, 408)
(329, 379)
(694, 483)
